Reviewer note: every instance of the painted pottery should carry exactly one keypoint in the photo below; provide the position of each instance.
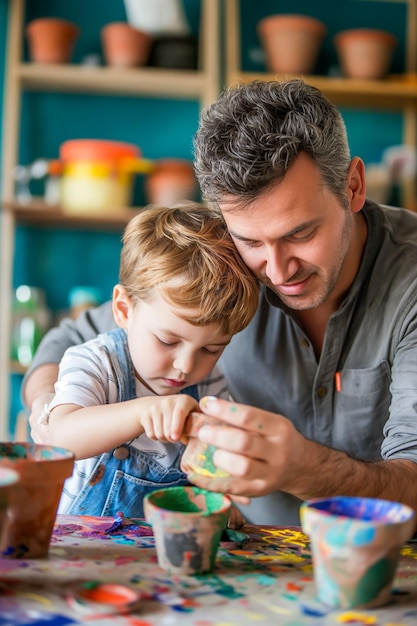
(198, 456)
(170, 182)
(42, 472)
(187, 524)
(355, 545)
(8, 484)
(125, 46)
(51, 40)
(365, 53)
(291, 43)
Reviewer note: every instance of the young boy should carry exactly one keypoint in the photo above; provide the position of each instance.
(122, 399)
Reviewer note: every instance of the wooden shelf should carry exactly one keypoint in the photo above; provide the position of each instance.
(145, 81)
(396, 91)
(37, 213)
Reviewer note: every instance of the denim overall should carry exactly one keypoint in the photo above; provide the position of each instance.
(120, 484)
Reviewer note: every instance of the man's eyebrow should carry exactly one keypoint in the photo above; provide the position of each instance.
(240, 237)
(297, 229)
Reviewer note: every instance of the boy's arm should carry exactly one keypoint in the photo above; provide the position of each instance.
(92, 430)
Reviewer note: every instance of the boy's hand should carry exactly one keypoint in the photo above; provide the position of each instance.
(164, 416)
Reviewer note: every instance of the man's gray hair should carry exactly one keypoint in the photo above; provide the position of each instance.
(249, 138)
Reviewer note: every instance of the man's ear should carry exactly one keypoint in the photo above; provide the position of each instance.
(121, 305)
(356, 185)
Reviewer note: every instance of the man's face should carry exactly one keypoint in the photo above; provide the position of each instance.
(295, 237)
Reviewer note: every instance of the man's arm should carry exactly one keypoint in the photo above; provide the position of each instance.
(38, 383)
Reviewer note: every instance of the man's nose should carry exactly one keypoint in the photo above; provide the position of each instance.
(276, 265)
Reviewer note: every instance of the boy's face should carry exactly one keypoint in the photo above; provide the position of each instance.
(168, 353)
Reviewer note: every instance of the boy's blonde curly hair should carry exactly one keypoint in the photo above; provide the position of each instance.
(186, 252)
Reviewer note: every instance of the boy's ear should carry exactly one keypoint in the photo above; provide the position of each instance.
(121, 305)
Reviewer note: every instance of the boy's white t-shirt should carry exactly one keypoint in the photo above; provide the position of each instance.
(86, 379)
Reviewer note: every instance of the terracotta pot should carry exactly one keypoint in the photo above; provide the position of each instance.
(198, 456)
(355, 545)
(42, 472)
(8, 484)
(365, 52)
(171, 181)
(291, 42)
(125, 46)
(51, 40)
(187, 524)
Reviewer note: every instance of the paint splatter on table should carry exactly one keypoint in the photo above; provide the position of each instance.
(267, 580)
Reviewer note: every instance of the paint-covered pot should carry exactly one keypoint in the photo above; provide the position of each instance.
(197, 459)
(187, 524)
(42, 472)
(8, 485)
(355, 545)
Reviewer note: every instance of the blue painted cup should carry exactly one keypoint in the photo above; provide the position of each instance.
(355, 544)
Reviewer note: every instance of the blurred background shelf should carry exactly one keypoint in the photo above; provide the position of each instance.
(40, 214)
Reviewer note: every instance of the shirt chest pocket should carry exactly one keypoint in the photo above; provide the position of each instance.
(361, 408)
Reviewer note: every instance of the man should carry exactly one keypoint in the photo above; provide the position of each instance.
(325, 377)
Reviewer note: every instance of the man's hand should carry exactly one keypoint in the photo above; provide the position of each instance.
(261, 451)
(38, 419)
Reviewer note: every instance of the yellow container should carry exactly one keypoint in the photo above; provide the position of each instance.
(97, 175)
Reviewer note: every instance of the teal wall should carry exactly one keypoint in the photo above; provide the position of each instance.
(56, 259)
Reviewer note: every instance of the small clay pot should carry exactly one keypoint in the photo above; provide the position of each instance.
(365, 53)
(51, 40)
(291, 42)
(8, 483)
(355, 545)
(125, 46)
(171, 181)
(197, 459)
(42, 472)
(187, 523)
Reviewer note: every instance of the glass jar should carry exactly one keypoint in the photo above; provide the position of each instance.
(30, 322)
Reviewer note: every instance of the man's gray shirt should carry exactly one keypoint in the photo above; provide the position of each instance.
(371, 341)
